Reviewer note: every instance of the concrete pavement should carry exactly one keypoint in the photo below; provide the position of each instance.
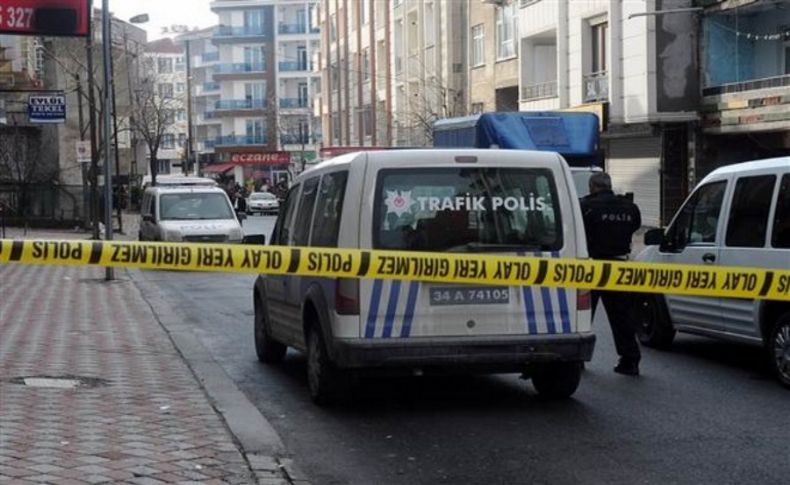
(92, 389)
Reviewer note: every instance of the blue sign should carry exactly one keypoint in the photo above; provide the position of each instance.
(47, 108)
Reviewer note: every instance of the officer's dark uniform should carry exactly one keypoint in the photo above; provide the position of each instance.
(609, 222)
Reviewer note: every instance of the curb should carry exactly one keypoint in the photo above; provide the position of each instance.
(257, 440)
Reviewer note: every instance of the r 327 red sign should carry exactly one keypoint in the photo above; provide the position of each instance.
(45, 17)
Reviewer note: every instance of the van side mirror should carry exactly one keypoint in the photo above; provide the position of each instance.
(654, 237)
(241, 216)
(258, 239)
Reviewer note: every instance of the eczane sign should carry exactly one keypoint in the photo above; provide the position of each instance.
(45, 17)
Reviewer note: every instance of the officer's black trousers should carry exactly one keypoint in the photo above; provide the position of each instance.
(620, 308)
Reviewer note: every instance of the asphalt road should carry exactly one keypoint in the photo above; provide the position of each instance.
(706, 412)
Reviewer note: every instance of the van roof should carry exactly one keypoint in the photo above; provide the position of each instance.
(185, 189)
(540, 157)
(170, 180)
(767, 164)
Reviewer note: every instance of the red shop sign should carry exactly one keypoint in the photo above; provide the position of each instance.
(45, 17)
(267, 158)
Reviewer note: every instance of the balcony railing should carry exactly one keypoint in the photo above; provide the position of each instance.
(210, 56)
(231, 104)
(239, 140)
(245, 31)
(596, 87)
(293, 103)
(240, 68)
(751, 85)
(294, 139)
(539, 91)
(284, 28)
(209, 87)
(291, 66)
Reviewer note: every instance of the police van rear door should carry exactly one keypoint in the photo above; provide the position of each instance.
(445, 202)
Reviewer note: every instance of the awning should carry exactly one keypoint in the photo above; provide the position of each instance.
(219, 167)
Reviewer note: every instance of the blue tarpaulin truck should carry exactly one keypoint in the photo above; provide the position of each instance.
(575, 136)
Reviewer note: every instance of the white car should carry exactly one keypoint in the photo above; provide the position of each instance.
(263, 202)
(486, 201)
(190, 214)
(738, 215)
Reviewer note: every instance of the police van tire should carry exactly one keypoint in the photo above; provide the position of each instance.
(557, 380)
(324, 380)
(654, 327)
(778, 347)
(269, 350)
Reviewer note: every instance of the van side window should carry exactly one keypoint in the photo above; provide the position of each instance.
(781, 237)
(699, 218)
(751, 203)
(282, 227)
(305, 214)
(326, 223)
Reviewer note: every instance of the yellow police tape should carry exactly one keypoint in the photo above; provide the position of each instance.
(731, 282)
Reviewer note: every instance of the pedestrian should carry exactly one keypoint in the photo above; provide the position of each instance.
(610, 221)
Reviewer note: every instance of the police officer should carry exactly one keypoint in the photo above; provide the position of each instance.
(609, 222)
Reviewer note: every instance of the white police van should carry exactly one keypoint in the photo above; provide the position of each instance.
(739, 215)
(466, 201)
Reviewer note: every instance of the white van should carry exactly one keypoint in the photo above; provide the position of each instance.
(188, 213)
(738, 215)
(483, 201)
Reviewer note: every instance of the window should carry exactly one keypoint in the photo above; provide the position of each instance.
(254, 129)
(751, 203)
(430, 27)
(254, 92)
(599, 46)
(281, 232)
(781, 235)
(326, 225)
(166, 91)
(478, 108)
(181, 115)
(168, 141)
(478, 45)
(698, 220)
(254, 21)
(180, 63)
(366, 64)
(165, 65)
(194, 207)
(487, 209)
(163, 166)
(364, 15)
(180, 88)
(255, 58)
(333, 28)
(333, 77)
(335, 128)
(305, 215)
(506, 31)
(182, 140)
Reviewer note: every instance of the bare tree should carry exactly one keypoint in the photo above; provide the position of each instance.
(433, 101)
(21, 163)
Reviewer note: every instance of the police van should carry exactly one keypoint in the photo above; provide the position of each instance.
(466, 201)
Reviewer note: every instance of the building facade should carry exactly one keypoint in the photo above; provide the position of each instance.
(266, 86)
(637, 71)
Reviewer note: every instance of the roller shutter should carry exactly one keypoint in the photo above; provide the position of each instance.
(635, 166)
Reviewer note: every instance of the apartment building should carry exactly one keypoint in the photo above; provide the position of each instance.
(637, 70)
(166, 63)
(429, 64)
(493, 56)
(355, 64)
(745, 66)
(266, 85)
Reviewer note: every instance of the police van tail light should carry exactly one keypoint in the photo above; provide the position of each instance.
(583, 300)
(347, 296)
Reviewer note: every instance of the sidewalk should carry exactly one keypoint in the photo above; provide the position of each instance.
(92, 389)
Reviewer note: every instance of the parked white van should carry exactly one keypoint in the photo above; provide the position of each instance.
(483, 201)
(738, 215)
(188, 213)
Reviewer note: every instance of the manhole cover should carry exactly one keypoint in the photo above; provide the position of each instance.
(60, 382)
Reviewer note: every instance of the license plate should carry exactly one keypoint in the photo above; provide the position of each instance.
(470, 295)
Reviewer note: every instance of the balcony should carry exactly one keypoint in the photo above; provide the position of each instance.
(596, 87)
(294, 103)
(227, 32)
(542, 90)
(239, 70)
(284, 28)
(208, 118)
(294, 139)
(208, 57)
(291, 66)
(238, 140)
(208, 89)
(240, 104)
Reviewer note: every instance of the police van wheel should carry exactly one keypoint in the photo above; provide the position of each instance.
(324, 380)
(654, 328)
(269, 350)
(779, 349)
(557, 380)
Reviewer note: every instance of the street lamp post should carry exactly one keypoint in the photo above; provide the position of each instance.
(107, 135)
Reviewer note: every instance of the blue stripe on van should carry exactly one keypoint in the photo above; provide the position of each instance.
(562, 296)
(392, 306)
(548, 307)
(529, 308)
(373, 311)
(414, 289)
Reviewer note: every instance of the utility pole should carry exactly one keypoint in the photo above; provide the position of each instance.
(84, 168)
(106, 55)
(94, 142)
(190, 153)
(115, 137)
(131, 107)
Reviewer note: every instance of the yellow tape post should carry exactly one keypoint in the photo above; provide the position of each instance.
(726, 282)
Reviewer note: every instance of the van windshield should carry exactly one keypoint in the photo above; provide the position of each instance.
(194, 206)
(467, 210)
